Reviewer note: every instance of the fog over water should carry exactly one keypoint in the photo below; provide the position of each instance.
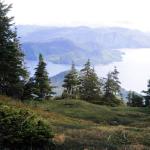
(134, 68)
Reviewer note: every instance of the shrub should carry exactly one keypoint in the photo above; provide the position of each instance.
(21, 129)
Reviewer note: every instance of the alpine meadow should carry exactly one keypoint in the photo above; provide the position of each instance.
(66, 84)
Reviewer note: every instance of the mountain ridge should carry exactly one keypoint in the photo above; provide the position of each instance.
(98, 44)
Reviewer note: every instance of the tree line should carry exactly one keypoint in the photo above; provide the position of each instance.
(85, 85)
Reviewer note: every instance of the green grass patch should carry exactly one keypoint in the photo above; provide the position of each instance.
(81, 125)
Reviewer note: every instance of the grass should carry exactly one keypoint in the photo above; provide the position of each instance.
(78, 109)
(81, 125)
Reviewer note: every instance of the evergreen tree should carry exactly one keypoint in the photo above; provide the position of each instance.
(29, 89)
(108, 85)
(116, 82)
(71, 83)
(147, 95)
(111, 89)
(135, 100)
(43, 86)
(90, 85)
(12, 70)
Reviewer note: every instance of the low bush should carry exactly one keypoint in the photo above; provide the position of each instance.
(21, 129)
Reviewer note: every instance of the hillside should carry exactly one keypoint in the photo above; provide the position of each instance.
(79, 125)
(63, 45)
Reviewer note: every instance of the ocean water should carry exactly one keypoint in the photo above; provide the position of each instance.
(134, 68)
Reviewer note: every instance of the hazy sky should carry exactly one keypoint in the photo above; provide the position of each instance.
(130, 13)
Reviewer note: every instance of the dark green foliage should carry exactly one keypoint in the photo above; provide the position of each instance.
(12, 70)
(71, 84)
(111, 100)
(29, 89)
(112, 83)
(111, 89)
(20, 129)
(90, 85)
(135, 100)
(43, 89)
(116, 82)
(147, 95)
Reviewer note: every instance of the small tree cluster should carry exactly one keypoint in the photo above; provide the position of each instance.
(136, 100)
(89, 83)
(87, 86)
(39, 86)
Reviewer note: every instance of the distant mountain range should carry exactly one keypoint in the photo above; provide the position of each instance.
(63, 45)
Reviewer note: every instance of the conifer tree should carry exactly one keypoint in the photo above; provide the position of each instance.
(43, 86)
(147, 95)
(29, 89)
(108, 85)
(12, 70)
(111, 89)
(71, 83)
(90, 85)
(116, 82)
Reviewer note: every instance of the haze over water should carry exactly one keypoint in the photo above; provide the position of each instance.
(134, 68)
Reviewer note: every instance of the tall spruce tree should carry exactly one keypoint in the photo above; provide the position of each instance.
(111, 89)
(116, 82)
(43, 86)
(12, 70)
(71, 83)
(108, 85)
(89, 83)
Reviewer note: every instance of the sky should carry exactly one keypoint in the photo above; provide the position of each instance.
(94, 13)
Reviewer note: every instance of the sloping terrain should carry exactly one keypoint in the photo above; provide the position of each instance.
(81, 125)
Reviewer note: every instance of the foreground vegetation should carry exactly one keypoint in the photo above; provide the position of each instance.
(20, 128)
(80, 125)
